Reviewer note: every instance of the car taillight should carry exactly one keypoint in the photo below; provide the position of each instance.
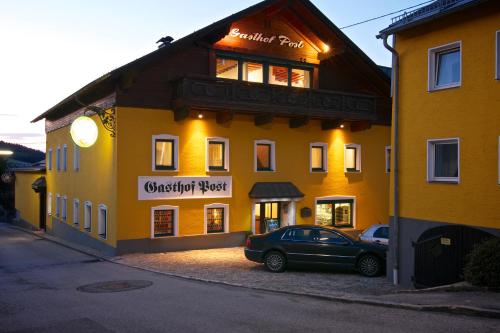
(249, 243)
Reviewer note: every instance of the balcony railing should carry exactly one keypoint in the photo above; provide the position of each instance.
(222, 94)
(431, 9)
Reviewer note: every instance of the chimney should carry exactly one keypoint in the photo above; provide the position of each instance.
(165, 41)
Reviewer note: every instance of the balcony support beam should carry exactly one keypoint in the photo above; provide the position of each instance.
(359, 126)
(298, 122)
(181, 113)
(329, 124)
(263, 119)
(223, 117)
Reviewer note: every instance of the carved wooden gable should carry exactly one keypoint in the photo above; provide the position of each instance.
(272, 37)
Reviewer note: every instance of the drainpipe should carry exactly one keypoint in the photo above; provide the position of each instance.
(395, 155)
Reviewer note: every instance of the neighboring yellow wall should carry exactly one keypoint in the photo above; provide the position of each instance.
(137, 126)
(26, 200)
(470, 112)
(94, 182)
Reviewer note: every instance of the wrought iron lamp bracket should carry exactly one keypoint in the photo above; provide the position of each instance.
(107, 116)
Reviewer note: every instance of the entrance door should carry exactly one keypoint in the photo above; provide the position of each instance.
(267, 216)
(43, 208)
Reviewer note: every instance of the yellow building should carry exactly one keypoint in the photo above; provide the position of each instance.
(29, 197)
(448, 138)
(263, 119)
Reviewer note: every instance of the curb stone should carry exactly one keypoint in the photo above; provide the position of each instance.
(442, 308)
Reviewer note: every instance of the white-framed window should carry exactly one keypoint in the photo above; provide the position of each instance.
(217, 154)
(76, 211)
(49, 203)
(164, 221)
(264, 155)
(216, 218)
(58, 158)
(102, 221)
(87, 216)
(318, 157)
(49, 159)
(352, 157)
(388, 159)
(76, 157)
(58, 205)
(65, 158)
(497, 55)
(443, 160)
(165, 152)
(64, 208)
(337, 211)
(445, 66)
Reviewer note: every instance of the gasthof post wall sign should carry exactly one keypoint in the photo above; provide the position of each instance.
(282, 40)
(160, 188)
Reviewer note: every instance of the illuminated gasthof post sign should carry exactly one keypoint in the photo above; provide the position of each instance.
(258, 37)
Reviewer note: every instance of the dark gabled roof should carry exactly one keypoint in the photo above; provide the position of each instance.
(428, 13)
(106, 84)
(269, 190)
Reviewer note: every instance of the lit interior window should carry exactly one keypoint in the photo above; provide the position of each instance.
(317, 158)
(163, 222)
(227, 68)
(278, 75)
(216, 155)
(350, 159)
(164, 157)
(215, 220)
(337, 213)
(263, 157)
(253, 72)
(301, 78)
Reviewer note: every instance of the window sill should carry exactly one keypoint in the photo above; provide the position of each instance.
(217, 170)
(451, 86)
(438, 181)
(265, 170)
(352, 171)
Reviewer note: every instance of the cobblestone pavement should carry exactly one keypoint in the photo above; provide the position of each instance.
(229, 265)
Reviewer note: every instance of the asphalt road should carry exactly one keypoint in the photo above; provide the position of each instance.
(38, 293)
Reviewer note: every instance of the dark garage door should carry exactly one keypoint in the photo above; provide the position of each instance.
(440, 254)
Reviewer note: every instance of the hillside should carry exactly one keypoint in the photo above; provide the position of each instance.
(22, 153)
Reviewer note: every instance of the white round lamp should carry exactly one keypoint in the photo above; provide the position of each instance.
(84, 131)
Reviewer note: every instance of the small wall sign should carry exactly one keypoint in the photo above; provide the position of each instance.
(305, 212)
(160, 188)
(282, 40)
(445, 241)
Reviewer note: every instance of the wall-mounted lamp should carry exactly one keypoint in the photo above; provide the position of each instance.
(342, 126)
(200, 115)
(84, 130)
(326, 48)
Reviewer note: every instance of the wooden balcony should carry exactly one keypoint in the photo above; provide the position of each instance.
(207, 93)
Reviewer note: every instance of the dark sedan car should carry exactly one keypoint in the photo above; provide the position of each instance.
(312, 244)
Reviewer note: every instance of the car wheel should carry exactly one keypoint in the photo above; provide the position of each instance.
(275, 261)
(370, 265)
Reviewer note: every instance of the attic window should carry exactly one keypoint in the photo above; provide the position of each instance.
(259, 70)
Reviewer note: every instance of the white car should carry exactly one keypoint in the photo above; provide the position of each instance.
(377, 233)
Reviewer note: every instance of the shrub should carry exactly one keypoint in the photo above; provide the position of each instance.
(483, 264)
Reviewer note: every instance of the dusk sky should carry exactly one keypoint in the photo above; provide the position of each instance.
(50, 49)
